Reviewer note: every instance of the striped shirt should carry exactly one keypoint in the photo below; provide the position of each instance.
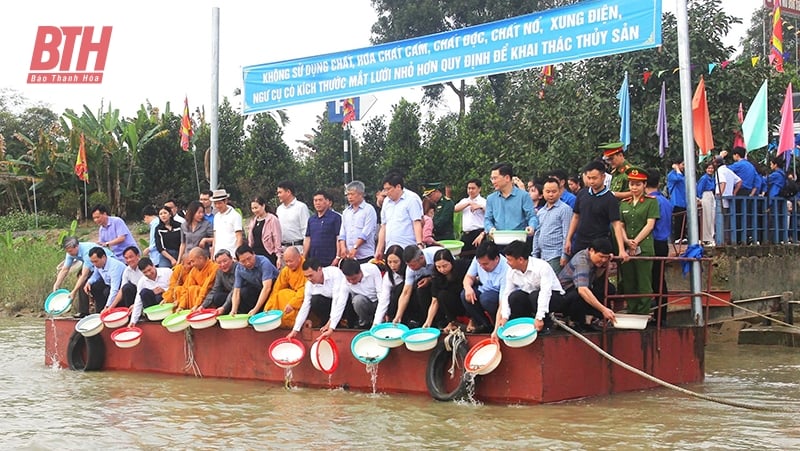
(550, 236)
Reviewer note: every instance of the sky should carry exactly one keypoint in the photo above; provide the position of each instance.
(160, 51)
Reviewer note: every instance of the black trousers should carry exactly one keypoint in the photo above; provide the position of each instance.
(417, 308)
(100, 292)
(527, 304)
(321, 307)
(149, 298)
(659, 285)
(577, 309)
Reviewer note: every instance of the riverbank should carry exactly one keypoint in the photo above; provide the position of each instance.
(29, 263)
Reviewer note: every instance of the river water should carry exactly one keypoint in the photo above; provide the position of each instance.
(50, 408)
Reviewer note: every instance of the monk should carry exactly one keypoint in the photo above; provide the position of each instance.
(287, 293)
(198, 282)
(180, 273)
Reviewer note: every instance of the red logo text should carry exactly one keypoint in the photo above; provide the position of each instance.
(61, 55)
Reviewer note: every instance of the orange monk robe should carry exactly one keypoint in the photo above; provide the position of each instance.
(177, 279)
(288, 289)
(198, 283)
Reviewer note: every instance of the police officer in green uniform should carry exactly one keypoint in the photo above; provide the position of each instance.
(445, 208)
(614, 155)
(638, 214)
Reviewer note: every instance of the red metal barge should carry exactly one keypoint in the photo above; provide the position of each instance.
(554, 368)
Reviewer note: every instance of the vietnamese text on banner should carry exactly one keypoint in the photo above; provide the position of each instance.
(583, 30)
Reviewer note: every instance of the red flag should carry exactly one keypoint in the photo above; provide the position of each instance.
(81, 166)
(186, 126)
(786, 141)
(349, 110)
(776, 49)
(547, 74)
(701, 119)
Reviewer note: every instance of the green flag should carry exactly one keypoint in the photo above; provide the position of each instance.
(755, 126)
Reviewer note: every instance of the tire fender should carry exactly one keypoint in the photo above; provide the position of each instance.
(437, 372)
(86, 353)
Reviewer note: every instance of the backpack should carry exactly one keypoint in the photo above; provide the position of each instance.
(789, 189)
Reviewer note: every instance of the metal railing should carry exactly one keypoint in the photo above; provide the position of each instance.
(757, 220)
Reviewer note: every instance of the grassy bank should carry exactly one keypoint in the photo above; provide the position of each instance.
(29, 257)
(27, 271)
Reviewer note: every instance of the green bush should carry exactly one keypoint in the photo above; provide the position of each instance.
(70, 204)
(29, 269)
(98, 198)
(18, 221)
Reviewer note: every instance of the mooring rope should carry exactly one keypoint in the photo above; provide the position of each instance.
(451, 343)
(753, 312)
(188, 353)
(665, 383)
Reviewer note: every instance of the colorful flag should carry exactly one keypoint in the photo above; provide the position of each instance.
(755, 125)
(701, 119)
(661, 124)
(349, 111)
(624, 114)
(186, 126)
(81, 166)
(786, 141)
(547, 74)
(776, 49)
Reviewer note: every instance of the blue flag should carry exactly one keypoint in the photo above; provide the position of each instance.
(624, 113)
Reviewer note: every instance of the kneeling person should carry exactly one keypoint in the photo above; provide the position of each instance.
(325, 295)
(253, 281)
(289, 288)
(150, 288)
(531, 289)
(363, 282)
(582, 280)
(220, 295)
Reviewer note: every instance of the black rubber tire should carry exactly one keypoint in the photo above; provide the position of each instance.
(92, 348)
(436, 372)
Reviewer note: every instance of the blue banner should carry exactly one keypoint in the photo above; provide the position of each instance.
(585, 29)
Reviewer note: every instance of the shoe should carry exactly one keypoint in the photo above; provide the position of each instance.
(79, 315)
(545, 331)
(684, 241)
(482, 329)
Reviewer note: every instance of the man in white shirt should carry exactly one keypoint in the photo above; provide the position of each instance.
(227, 223)
(473, 211)
(531, 289)
(727, 184)
(293, 216)
(150, 288)
(326, 295)
(364, 282)
(130, 277)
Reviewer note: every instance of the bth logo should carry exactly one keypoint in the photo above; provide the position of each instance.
(55, 49)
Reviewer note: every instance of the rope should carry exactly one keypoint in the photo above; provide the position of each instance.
(188, 353)
(451, 343)
(752, 312)
(665, 383)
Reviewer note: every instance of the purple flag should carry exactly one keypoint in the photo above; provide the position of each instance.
(661, 125)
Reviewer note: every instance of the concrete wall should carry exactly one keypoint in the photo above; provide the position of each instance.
(748, 271)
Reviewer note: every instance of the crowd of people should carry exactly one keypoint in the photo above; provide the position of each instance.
(375, 263)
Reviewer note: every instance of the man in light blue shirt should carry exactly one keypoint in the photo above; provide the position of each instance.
(77, 252)
(401, 216)
(554, 219)
(359, 221)
(482, 286)
(508, 208)
(106, 280)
